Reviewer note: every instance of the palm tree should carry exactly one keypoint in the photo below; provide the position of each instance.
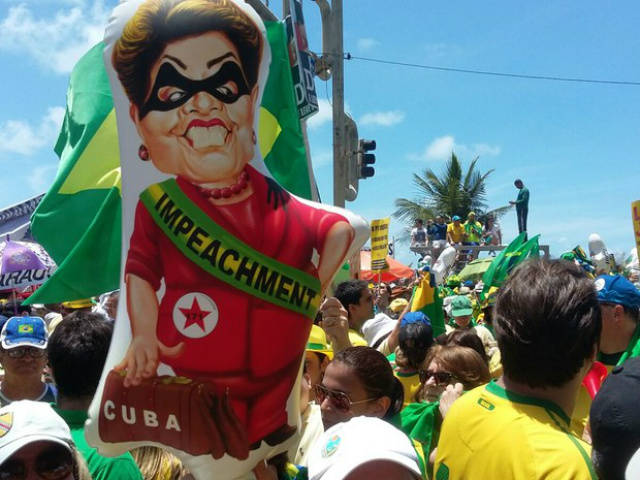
(448, 195)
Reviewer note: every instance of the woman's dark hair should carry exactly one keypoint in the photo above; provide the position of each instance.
(547, 321)
(158, 23)
(375, 374)
(486, 221)
(467, 338)
(414, 341)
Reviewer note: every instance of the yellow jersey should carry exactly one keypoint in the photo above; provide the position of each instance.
(356, 339)
(410, 383)
(456, 233)
(493, 433)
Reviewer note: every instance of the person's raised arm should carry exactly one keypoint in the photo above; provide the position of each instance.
(335, 323)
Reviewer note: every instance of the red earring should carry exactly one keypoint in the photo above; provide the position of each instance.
(143, 153)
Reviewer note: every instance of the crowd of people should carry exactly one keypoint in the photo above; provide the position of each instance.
(437, 234)
(535, 380)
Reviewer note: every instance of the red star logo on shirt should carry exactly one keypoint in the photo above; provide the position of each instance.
(194, 315)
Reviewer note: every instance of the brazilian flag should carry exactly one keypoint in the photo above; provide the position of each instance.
(516, 252)
(427, 299)
(79, 221)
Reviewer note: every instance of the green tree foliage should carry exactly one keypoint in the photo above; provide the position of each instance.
(451, 193)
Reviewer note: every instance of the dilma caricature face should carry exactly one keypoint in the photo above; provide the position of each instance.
(197, 120)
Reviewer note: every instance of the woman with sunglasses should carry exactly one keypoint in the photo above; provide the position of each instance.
(358, 382)
(449, 365)
(446, 372)
(36, 443)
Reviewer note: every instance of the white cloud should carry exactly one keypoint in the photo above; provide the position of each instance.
(324, 115)
(41, 178)
(54, 40)
(441, 148)
(383, 119)
(17, 136)
(365, 44)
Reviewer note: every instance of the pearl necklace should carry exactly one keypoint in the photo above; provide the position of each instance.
(227, 192)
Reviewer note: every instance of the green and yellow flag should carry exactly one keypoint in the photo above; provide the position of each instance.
(516, 252)
(427, 299)
(79, 221)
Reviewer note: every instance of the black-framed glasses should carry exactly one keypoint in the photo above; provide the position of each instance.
(340, 400)
(54, 463)
(441, 378)
(20, 352)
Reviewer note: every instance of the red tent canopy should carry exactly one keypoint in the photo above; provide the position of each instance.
(396, 269)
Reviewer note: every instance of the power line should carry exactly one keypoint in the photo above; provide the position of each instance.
(348, 56)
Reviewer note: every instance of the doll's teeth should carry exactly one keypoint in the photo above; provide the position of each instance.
(205, 137)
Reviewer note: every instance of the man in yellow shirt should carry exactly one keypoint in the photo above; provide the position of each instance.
(455, 231)
(547, 323)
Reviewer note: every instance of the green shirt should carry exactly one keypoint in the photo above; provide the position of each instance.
(101, 468)
(523, 198)
(473, 230)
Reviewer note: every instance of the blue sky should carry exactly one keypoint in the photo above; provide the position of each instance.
(575, 145)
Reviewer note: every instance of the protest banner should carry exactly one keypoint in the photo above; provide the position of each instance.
(302, 63)
(379, 245)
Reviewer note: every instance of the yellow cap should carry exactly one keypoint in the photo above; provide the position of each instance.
(318, 342)
(398, 305)
(82, 303)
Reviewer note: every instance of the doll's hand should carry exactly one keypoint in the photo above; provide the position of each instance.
(141, 360)
(276, 194)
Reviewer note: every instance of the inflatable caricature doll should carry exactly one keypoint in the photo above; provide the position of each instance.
(224, 269)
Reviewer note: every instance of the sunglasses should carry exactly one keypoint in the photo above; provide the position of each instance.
(339, 400)
(20, 352)
(441, 378)
(55, 463)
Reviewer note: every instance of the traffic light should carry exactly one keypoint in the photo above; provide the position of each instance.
(365, 159)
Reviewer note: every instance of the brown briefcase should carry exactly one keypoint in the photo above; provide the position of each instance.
(173, 411)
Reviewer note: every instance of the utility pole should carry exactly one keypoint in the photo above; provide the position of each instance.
(337, 92)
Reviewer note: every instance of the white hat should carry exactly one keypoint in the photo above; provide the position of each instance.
(446, 304)
(25, 421)
(346, 446)
(377, 328)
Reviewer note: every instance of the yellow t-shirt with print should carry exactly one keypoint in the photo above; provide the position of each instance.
(494, 433)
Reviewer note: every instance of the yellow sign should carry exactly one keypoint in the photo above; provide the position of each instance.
(379, 245)
(635, 215)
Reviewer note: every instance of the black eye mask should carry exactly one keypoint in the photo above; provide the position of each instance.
(168, 76)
